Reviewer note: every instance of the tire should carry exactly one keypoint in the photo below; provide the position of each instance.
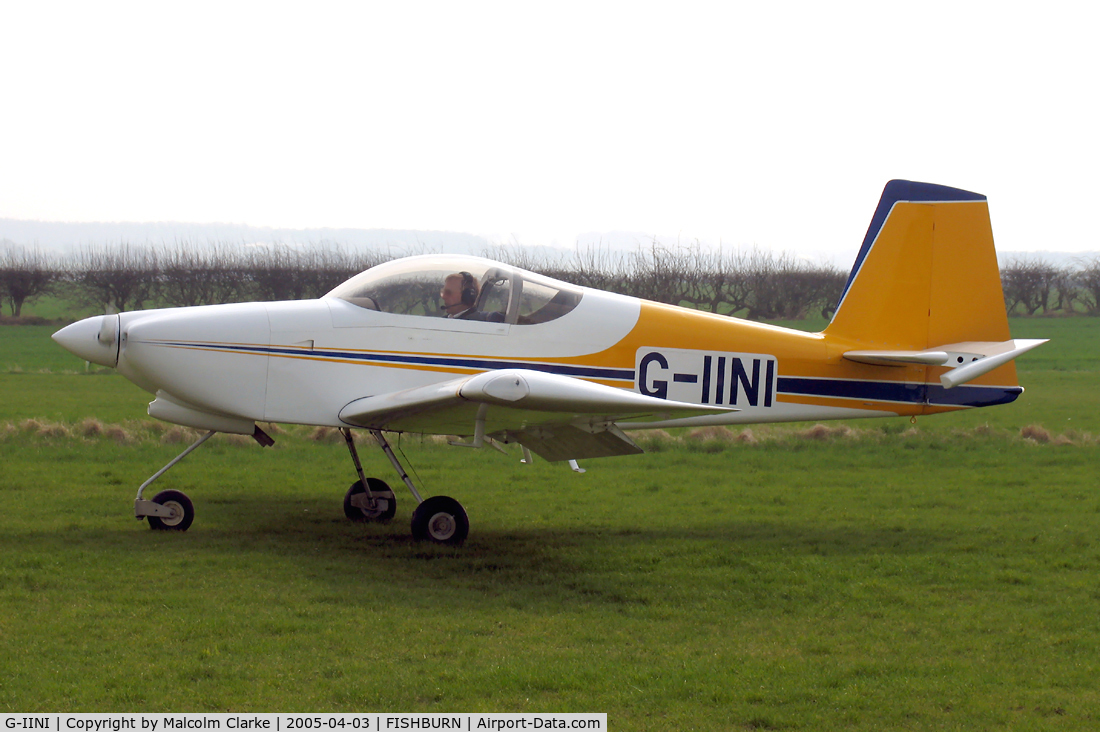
(440, 520)
(185, 512)
(380, 491)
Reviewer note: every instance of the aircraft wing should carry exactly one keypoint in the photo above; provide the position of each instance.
(557, 417)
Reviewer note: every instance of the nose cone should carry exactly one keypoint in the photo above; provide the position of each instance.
(93, 339)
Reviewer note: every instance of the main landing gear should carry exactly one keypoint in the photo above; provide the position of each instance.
(438, 519)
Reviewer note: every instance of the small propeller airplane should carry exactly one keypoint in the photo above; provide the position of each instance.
(464, 346)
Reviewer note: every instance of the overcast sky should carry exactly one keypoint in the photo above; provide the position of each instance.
(769, 124)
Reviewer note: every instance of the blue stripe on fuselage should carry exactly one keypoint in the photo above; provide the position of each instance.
(879, 391)
(589, 372)
(900, 392)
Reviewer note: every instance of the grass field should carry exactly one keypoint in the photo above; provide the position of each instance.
(873, 575)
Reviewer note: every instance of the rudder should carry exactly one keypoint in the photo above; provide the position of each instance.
(926, 274)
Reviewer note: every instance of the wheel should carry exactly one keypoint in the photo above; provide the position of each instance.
(441, 520)
(385, 502)
(178, 502)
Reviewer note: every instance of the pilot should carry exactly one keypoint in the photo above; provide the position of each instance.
(459, 295)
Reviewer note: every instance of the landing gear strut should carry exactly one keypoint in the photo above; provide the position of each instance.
(438, 519)
(169, 510)
(172, 510)
(368, 499)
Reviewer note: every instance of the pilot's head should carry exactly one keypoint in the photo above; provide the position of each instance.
(459, 292)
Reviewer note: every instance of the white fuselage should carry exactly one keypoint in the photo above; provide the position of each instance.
(302, 361)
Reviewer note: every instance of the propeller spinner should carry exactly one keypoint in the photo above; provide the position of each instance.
(93, 339)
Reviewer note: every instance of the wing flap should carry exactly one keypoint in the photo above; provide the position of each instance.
(559, 442)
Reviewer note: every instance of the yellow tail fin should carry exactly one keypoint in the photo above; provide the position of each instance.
(926, 275)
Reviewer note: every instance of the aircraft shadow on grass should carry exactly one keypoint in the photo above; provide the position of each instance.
(589, 564)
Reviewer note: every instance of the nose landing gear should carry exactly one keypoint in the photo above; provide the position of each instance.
(169, 510)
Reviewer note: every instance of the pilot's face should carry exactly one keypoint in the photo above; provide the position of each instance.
(451, 292)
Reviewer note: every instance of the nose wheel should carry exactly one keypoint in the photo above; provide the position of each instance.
(177, 512)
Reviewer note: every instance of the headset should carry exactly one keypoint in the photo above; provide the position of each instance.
(469, 289)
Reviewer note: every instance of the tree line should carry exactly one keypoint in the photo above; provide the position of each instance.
(756, 284)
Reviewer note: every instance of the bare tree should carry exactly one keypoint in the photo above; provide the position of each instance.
(597, 267)
(119, 276)
(783, 287)
(757, 282)
(282, 273)
(1087, 280)
(326, 265)
(24, 275)
(1066, 289)
(593, 266)
(276, 273)
(1028, 283)
(517, 256)
(659, 273)
(201, 275)
(718, 282)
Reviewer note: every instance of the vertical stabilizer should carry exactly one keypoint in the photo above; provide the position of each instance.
(926, 274)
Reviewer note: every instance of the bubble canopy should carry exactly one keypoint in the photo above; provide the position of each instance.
(502, 294)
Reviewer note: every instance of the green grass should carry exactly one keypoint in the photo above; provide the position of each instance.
(106, 396)
(877, 582)
(54, 307)
(878, 577)
(28, 348)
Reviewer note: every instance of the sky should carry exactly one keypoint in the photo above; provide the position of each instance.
(736, 124)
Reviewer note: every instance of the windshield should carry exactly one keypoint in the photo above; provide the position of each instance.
(469, 288)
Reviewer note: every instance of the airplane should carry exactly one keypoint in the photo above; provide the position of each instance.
(493, 354)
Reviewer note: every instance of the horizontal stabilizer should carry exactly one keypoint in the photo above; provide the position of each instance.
(980, 366)
(898, 358)
(967, 361)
